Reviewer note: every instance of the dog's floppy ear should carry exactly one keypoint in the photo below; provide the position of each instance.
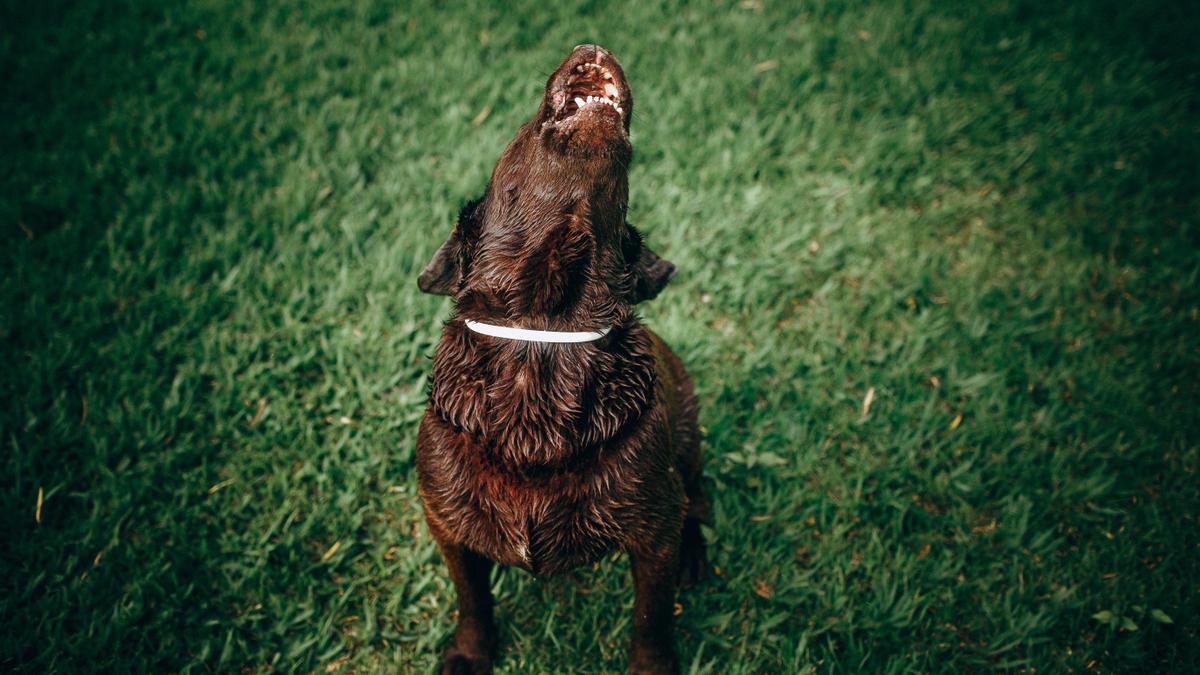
(446, 271)
(650, 272)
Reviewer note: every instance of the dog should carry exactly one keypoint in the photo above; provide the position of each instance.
(558, 427)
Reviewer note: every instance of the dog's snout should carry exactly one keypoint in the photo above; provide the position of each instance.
(596, 51)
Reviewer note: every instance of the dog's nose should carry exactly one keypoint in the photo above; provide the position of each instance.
(598, 52)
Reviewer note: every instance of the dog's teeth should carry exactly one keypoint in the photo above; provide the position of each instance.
(610, 89)
(579, 102)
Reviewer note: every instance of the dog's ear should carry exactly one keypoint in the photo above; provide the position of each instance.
(446, 271)
(650, 272)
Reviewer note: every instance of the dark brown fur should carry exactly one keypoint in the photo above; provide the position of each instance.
(548, 456)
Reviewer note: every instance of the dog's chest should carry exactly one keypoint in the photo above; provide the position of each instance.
(545, 524)
(546, 528)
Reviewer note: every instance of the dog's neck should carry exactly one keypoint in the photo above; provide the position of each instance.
(548, 255)
(539, 407)
(544, 407)
(549, 258)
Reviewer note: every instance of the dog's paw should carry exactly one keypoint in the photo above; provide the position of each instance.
(456, 662)
(653, 662)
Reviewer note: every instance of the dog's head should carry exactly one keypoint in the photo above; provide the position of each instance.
(559, 190)
(587, 105)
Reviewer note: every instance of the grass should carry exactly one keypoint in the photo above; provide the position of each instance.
(939, 291)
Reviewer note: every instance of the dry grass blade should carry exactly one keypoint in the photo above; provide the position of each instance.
(867, 401)
(331, 550)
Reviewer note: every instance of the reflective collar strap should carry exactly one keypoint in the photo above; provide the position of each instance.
(528, 335)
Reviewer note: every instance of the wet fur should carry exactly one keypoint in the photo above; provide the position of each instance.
(549, 456)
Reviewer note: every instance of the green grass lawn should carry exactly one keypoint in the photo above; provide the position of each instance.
(939, 291)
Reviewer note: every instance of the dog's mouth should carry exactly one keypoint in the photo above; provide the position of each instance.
(588, 86)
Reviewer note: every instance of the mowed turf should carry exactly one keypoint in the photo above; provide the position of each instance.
(939, 293)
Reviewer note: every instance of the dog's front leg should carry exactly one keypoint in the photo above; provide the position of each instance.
(654, 579)
(473, 645)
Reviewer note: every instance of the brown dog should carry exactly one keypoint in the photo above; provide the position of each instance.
(577, 435)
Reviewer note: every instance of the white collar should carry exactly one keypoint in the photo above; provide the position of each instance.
(528, 335)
